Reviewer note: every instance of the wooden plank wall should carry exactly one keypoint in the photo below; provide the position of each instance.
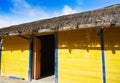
(79, 57)
(15, 57)
(112, 54)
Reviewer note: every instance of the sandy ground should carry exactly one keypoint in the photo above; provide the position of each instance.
(49, 79)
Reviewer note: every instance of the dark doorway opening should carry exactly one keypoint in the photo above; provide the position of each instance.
(47, 55)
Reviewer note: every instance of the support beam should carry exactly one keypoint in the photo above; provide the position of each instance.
(56, 57)
(23, 37)
(103, 55)
(30, 59)
(36, 58)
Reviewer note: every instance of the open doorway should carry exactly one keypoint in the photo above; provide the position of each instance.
(47, 55)
(43, 56)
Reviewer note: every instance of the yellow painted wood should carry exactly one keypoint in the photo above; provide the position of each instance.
(15, 57)
(79, 57)
(112, 54)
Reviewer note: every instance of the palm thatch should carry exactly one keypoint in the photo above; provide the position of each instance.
(107, 17)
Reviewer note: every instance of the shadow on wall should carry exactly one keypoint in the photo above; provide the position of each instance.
(13, 43)
(15, 57)
(87, 39)
(111, 39)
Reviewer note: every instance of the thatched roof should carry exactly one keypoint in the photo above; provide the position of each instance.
(107, 16)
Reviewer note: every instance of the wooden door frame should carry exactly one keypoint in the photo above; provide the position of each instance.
(36, 58)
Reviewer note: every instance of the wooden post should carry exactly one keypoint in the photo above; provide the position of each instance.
(30, 59)
(56, 57)
(103, 55)
(36, 58)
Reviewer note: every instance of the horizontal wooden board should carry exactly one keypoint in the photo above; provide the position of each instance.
(15, 57)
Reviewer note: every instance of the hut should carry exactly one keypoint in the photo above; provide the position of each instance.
(82, 47)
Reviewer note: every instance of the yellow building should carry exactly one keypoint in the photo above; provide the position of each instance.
(77, 48)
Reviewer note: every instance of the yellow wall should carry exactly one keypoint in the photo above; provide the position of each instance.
(79, 57)
(15, 57)
(112, 54)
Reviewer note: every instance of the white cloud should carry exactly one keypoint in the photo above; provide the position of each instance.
(68, 10)
(6, 21)
(21, 7)
(23, 12)
(20, 4)
(3, 23)
(65, 11)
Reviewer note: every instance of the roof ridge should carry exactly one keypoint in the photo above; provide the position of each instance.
(113, 6)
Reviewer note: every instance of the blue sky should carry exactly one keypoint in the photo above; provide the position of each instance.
(14, 12)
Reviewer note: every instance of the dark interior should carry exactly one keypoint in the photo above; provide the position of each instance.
(47, 55)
